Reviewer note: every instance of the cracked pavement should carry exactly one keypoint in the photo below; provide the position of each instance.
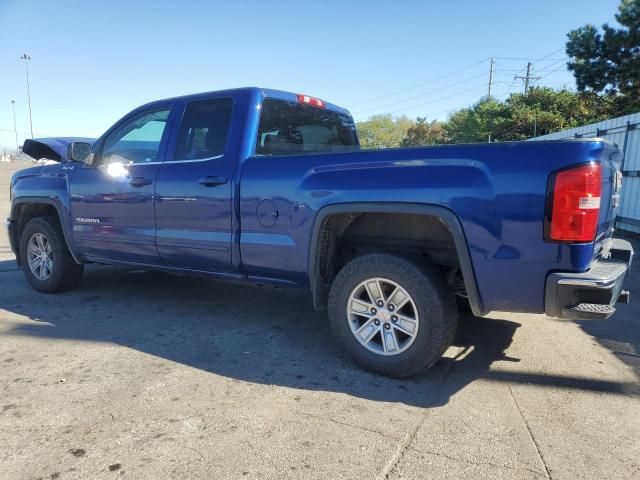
(145, 375)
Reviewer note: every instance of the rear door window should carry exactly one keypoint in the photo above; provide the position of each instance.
(293, 128)
(205, 129)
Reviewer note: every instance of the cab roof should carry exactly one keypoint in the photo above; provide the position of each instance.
(259, 92)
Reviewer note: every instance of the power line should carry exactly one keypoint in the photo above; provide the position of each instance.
(483, 85)
(510, 70)
(552, 72)
(528, 79)
(527, 59)
(419, 96)
(503, 83)
(551, 65)
(550, 84)
(434, 101)
(420, 84)
(547, 56)
(508, 90)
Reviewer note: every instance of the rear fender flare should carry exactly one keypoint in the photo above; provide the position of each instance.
(449, 218)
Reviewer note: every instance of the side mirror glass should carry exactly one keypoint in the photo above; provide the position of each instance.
(81, 152)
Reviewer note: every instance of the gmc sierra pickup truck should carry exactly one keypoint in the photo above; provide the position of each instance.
(271, 187)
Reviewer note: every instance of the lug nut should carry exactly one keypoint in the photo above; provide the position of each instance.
(391, 307)
(387, 326)
(373, 310)
(380, 303)
(376, 322)
(394, 318)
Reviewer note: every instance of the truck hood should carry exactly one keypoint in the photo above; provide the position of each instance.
(52, 148)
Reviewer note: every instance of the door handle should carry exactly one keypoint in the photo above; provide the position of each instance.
(139, 182)
(212, 181)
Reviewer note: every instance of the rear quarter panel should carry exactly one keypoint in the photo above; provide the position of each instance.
(496, 190)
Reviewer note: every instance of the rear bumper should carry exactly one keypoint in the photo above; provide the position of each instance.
(590, 295)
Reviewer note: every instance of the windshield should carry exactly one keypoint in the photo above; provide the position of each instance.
(293, 128)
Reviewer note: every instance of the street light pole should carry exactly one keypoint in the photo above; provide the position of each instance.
(27, 58)
(15, 126)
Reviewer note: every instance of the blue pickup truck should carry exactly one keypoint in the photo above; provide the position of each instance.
(266, 186)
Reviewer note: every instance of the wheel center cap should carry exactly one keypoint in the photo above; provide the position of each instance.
(384, 315)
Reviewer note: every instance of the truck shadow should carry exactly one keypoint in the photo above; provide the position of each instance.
(261, 335)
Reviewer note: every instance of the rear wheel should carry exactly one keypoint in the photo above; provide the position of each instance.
(46, 261)
(392, 316)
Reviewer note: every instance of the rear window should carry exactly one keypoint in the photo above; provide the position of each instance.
(293, 128)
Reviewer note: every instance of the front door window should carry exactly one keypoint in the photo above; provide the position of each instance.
(137, 140)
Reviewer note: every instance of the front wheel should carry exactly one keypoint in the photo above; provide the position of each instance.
(46, 261)
(392, 316)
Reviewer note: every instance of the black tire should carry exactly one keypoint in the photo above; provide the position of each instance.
(435, 305)
(65, 273)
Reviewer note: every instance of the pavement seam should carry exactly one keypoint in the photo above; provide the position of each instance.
(347, 424)
(533, 439)
(401, 449)
(409, 437)
(472, 462)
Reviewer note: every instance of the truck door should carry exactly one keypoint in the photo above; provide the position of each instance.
(193, 199)
(112, 207)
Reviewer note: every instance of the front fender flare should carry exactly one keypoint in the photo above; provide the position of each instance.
(63, 218)
(447, 216)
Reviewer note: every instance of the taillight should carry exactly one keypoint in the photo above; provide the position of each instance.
(307, 100)
(575, 207)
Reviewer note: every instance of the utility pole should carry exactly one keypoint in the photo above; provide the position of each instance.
(27, 58)
(526, 78)
(15, 126)
(490, 77)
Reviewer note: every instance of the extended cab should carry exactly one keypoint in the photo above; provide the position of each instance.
(271, 187)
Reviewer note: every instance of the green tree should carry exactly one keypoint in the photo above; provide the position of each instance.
(425, 133)
(542, 110)
(519, 117)
(383, 131)
(476, 123)
(609, 62)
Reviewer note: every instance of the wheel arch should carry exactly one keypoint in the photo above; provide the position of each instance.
(24, 209)
(444, 215)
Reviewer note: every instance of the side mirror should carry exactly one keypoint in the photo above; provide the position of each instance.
(80, 152)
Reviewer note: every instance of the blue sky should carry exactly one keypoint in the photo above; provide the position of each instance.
(95, 61)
